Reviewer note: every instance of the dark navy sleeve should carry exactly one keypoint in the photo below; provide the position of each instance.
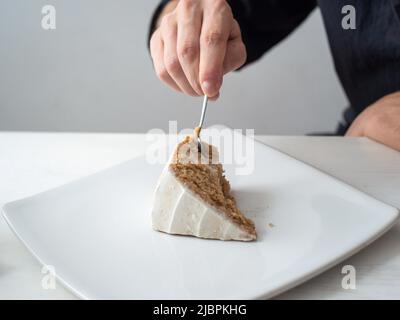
(266, 22)
(263, 22)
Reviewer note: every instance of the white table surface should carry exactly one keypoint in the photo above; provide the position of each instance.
(34, 162)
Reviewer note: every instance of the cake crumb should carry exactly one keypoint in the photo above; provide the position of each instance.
(196, 132)
(271, 225)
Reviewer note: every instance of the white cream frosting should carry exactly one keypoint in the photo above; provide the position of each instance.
(178, 210)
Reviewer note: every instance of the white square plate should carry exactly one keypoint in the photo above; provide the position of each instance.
(97, 233)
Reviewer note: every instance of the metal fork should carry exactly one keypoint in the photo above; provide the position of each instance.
(203, 115)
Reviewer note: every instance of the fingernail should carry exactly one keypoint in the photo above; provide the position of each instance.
(208, 88)
(215, 97)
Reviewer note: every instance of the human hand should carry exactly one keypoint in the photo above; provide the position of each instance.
(195, 44)
(380, 122)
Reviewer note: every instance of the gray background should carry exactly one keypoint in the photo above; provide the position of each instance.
(93, 73)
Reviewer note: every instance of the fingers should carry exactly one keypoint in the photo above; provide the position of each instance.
(214, 98)
(189, 16)
(235, 55)
(216, 28)
(157, 54)
(195, 45)
(171, 60)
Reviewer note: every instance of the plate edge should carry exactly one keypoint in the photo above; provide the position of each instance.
(35, 256)
(330, 265)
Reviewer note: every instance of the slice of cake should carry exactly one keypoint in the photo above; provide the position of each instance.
(193, 197)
